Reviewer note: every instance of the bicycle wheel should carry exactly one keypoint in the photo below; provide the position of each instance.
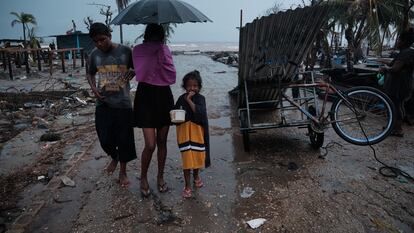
(365, 117)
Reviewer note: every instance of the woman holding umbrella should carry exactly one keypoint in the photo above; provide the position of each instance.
(155, 72)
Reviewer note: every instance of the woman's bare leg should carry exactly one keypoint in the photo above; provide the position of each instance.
(162, 134)
(150, 139)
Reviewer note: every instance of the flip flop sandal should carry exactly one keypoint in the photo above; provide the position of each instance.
(126, 185)
(163, 188)
(187, 193)
(198, 183)
(145, 193)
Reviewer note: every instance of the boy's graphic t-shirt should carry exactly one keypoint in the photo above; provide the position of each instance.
(109, 70)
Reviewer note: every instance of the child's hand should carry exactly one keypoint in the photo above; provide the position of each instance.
(190, 95)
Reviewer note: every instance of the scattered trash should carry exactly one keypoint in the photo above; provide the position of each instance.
(292, 166)
(41, 177)
(81, 101)
(67, 181)
(50, 137)
(220, 72)
(255, 223)
(32, 105)
(69, 116)
(45, 146)
(247, 192)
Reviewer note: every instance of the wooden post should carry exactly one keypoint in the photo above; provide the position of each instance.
(26, 61)
(63, 61)
(17, 60)
(86, 65)
(82, 58)
(3, 53)
(241, 19)
(74, 58)
(50, 62)
(10, 66)
(39, 60)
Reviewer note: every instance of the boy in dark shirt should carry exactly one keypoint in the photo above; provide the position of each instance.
(110, 69)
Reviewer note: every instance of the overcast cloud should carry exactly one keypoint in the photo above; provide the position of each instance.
(54, 17)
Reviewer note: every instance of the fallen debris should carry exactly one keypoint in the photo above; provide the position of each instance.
(67, 181)
(247, 192)
(255, 223)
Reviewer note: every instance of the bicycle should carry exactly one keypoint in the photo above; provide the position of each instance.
(360, 115)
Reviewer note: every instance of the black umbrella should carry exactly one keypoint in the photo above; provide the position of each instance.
(159, 11)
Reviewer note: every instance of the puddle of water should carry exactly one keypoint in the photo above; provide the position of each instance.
(20, 151)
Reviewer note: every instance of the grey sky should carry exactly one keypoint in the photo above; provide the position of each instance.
(54, 17)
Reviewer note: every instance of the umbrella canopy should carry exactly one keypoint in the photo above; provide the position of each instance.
(159, 12)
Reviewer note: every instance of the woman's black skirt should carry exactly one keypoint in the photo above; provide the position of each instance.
(152, 106)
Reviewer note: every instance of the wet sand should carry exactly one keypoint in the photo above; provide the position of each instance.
(339, 192)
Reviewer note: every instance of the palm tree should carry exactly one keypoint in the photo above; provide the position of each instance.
(24, 19)
(121, 5)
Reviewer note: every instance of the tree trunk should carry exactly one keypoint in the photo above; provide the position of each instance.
(350, 50)
(357, 39)
(24, 35)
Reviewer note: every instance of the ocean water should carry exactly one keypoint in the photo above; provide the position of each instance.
(204, 46)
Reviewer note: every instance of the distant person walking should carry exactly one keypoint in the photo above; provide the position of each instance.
(109, 74)
(192, 135)
(398, 83)
(155, 72)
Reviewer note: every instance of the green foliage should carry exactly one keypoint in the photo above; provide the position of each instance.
(24, 19)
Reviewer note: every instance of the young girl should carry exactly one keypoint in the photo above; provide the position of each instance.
(192, 135)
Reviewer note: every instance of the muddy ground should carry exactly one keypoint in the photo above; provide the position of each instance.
(337, 188)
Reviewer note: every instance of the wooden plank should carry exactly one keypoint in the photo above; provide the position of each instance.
(63, 61)
(39, 61)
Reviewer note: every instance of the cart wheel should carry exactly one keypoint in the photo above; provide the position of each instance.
(245, 133)
(316, 138)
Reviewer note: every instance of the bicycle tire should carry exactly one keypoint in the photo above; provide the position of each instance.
(375, 118)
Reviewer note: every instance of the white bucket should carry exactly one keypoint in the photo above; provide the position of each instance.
(177, 116)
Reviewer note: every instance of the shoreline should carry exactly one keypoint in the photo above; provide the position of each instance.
(230, 58)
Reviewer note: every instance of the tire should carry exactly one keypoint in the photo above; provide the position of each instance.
(375, 114)
(245, 133)
(316, 138)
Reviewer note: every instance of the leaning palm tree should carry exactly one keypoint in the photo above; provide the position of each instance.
(121, 5)
(24, 19)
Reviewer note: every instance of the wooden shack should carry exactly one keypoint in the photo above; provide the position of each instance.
(75, 40)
